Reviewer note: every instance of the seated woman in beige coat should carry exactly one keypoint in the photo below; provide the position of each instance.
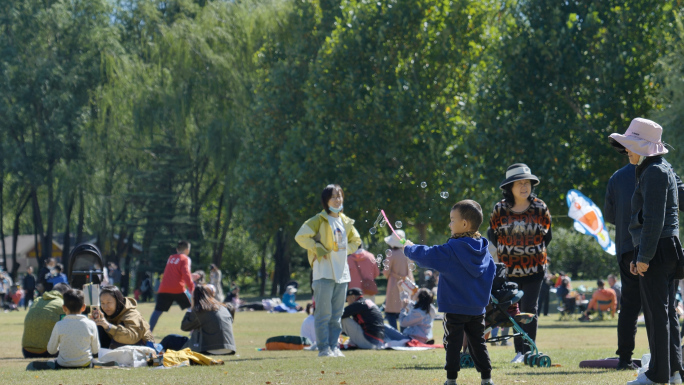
(118, 321)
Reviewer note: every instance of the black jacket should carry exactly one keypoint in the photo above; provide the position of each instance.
(366, 314)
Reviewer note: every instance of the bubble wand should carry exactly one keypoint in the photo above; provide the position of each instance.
(403, 241)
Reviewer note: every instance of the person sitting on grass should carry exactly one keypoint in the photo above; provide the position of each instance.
(119, 322)
(289, 298)
(417, 316)
(604, 295)
(466, 271)
(75, 337)
(362, 321)
(40, 320)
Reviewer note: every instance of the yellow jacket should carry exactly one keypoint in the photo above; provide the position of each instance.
(317, 230)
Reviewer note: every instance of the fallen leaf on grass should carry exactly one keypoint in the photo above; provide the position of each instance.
(268, 382)
(343, 382)
(339, 373)
(322, 371)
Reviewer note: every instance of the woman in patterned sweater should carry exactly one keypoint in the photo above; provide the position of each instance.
(520, 227)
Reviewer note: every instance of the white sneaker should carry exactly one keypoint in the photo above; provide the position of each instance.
(487, 382)
(326, 352)
(337, 352)
(641, 380)
(519, 357)
(676, 378)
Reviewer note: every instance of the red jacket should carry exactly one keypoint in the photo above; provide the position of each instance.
(177, 275)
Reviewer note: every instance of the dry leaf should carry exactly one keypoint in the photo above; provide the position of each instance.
(322, 371)
(343, 382)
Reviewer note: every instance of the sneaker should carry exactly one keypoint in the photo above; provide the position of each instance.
(641, 380)
(505, 343)
(450, 382)
(676, 378)
(337, 352)
(519, 357)
(326, 352)
(626, 365)
(487, 382)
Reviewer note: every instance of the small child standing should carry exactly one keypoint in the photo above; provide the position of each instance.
(75, 336)
(466, 274)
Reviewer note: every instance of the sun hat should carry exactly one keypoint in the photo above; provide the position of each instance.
(643, 137)
(355, 291)
(393, 241)
(519, 171)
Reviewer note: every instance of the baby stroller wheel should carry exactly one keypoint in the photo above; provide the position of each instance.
(544, 361)
(526, 358)
(467, 361)
(532, 360)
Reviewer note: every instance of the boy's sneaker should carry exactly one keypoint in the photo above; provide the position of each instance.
(641, 380)
(450, 382)
(337, 352)
(487, 382)
(676, 378)
(519, 357)
(326, 352)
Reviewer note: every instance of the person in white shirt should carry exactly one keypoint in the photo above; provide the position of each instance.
(75, 336)
(329, 237)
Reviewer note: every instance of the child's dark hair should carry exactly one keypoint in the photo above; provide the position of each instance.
(471, 211)
(183, 245)
(73, 300)
(424, 300)
(59, 267)
(328, 192)
(62, 288)
(507, 191)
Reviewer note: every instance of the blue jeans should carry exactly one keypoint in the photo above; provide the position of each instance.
(392, 319)
(329, 297)
(392, 334)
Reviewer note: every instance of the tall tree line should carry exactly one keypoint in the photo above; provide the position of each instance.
(220, 122)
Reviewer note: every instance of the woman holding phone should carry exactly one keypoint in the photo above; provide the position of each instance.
(118, 321)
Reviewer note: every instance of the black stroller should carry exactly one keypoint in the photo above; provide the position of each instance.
(502, 311)
(85, 266)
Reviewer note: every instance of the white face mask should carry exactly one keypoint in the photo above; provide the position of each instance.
(336, 210)
(54, 272)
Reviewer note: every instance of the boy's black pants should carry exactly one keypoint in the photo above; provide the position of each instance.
(473, 326)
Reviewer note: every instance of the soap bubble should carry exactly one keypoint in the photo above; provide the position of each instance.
(383, 223)
(373, 230)
(423, 184)
(386, 267)
(444, 194)
(412, 266)
(398, 224)
(388, 253)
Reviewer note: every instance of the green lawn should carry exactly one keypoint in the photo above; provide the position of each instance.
(567, 343)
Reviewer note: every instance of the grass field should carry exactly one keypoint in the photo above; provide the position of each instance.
(567, 343)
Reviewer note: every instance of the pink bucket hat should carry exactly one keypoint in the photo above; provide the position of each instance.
(643, 137)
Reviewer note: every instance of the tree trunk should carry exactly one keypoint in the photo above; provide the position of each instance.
(218, 258)
(47, 239)
(217, 229)
(262, 271)
(422, 231)
(38, 223)
(282, 264)
(66, 247)
(81, 217)
(126, 273)
(15, 235)
(2, 227)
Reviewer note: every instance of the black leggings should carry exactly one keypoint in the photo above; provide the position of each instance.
(528, 304)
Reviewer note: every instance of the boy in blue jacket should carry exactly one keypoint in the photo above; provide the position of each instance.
(466, 274)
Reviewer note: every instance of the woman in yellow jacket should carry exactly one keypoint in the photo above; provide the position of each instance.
(329, 237)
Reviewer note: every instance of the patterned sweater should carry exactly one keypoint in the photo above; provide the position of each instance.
(521, 238)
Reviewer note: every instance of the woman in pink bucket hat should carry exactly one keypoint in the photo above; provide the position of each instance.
(654, 228)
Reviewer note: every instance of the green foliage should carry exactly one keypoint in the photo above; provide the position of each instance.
(580, 256)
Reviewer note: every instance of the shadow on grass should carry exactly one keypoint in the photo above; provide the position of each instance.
(262, 359)
(587, 325)
(552, 373)
(419, 367)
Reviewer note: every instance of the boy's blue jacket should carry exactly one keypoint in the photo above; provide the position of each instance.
(466, 272)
